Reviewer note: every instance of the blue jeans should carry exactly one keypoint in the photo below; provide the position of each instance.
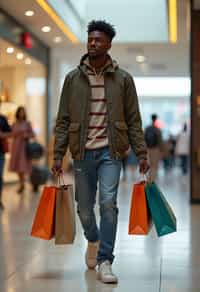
(98, 166)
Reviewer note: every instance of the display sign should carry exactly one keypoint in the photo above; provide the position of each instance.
(27, 41)
(18, 35)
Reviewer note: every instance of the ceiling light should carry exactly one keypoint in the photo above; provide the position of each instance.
(59, 22)
(29, 13)
(173, 21)
(28, 61)
(46, 28)
(20, 56)
(10, 50)
(57, 39)
(140, 59)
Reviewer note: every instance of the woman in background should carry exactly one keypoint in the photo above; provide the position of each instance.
(21, 132)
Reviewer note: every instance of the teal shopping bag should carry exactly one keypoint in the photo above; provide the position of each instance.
(162, 214)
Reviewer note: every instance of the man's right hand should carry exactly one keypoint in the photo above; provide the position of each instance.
(57, 167)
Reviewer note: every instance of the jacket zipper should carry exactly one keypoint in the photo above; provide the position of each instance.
(87, 110)
(110, 134)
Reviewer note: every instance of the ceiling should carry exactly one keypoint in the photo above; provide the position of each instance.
(8, 60)
(35, 23)
(137, 14)
(162, 59)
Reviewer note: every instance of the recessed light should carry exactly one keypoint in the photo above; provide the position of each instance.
(57, 39)
(10, 50)
(20, 56)
(140, 59)
(46, 28)
(28, 61)
(29, 13)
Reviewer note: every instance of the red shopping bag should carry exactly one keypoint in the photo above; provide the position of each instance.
(44, 221)
(139, 219)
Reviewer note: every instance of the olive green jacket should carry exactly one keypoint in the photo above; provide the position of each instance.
(123, 115)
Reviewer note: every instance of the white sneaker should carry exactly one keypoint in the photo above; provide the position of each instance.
(91, 254)
(105, 273)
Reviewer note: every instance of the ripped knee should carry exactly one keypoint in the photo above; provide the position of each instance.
(109, 209)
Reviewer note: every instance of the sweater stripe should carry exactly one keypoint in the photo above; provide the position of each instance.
(97, 86)
(98, 99)
(97, 114)
(97, 129)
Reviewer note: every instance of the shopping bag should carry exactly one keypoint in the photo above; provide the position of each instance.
(34, 150)
(44, 221)
(139, 218)
(161, 212)
(65, 228)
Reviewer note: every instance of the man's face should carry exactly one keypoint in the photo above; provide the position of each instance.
(98, 44)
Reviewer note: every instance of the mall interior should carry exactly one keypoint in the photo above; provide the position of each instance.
(157, 42)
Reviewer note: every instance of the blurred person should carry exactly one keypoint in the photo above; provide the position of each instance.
(153, 139)
(99, 118)
(124, 165)
(172, 141)
(182, 148)
(21, 132)
(5, 132)
(39, 176)
(129, 163)
(166, 154)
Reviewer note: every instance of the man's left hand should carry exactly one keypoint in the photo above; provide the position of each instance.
(143, 165)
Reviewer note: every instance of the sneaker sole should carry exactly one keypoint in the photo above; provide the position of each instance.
(106, 281)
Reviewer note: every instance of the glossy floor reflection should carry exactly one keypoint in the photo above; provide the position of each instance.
(143, 263)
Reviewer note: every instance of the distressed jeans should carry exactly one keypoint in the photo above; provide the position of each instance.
(98, 167)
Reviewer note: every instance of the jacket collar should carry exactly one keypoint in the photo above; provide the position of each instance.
(110, 67)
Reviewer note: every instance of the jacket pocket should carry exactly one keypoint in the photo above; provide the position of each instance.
(121, 136)
(74, 138)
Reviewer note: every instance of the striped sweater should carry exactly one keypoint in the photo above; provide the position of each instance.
(97, 129)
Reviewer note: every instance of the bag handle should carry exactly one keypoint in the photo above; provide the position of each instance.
(145, 177)
(148, 177)
(60, 180)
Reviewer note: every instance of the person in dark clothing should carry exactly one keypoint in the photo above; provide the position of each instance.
(182, 148)
(5, 132)
(153, 139)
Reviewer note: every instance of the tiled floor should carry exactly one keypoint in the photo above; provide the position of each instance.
(143, 263)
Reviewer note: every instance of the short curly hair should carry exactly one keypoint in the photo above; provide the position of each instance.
(103, 26)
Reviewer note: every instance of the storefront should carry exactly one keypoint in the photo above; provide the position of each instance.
(24, 71)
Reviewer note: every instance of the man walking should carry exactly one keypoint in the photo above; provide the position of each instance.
(153, 139)
(98, 118)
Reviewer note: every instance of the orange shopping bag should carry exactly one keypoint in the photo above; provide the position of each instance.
(44, 221)
(139, 220)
